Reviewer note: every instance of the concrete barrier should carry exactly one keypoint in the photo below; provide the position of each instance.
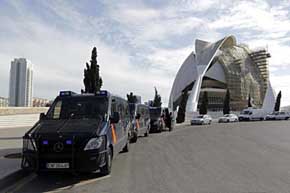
(25, 120)
(22, 110)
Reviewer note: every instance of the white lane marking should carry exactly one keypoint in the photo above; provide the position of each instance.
(20, 184)
(81, 183)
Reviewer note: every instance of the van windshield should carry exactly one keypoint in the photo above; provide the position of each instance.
(79, 108)
(246, 112)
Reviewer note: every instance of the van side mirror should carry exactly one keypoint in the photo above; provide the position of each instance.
(138, 116)
(115, 118)
(42, 116)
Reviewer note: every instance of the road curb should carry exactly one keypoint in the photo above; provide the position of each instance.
(8, 180)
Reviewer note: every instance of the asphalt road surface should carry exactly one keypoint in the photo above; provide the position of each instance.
(233, 157)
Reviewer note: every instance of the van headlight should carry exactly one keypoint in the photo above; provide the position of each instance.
(94, 143)
(29, 144)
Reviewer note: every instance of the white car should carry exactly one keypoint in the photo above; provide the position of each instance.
(278, 116)
(201, 120)
(228, 118)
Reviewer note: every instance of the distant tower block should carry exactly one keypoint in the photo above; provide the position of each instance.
(20, 86)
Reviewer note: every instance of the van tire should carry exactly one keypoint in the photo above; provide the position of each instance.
(126, 148)
(106, 169)
(146, 134)
(134, 138)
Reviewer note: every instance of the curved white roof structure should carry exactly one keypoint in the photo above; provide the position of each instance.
(205, 62)
(193, 70)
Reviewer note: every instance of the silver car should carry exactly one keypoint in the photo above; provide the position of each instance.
(278, 116)
(227, 118)
(201, 120)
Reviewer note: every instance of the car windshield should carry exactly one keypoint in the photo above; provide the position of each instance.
(226, 115)
(155, 113)
(199, 116)
(79, 108)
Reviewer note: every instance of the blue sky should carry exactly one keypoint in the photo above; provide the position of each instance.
(141, 44)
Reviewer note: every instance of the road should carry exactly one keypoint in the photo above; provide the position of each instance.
(237, 157)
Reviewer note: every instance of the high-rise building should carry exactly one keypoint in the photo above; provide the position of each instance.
(20, 87)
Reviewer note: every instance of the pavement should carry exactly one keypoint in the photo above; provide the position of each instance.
(10, 144)
(230, 157)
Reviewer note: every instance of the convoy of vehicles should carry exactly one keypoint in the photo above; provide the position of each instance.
(84, 132)
(140, 121)
(80, 132)
(278, 116)
(201, 120)
(156, 121)
(227, 118)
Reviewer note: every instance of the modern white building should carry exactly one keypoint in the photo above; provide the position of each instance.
(220, 66)
(20, 85)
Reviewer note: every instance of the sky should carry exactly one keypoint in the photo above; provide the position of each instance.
(141, 44)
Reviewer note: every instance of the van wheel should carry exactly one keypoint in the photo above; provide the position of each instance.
(261, 119)
(106, 169)
(134, 138)
(146, 134)
(126, 148)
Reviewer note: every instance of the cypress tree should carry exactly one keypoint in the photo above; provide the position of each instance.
(92, 80)
(226, 109)
(204, 104)
(278, 102)
(131, 98)
(250, 101)
(157, 99)
(182, 107)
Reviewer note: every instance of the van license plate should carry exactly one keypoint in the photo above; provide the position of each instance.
(57, 165)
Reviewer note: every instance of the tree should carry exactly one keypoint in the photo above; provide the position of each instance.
(92, 80)
(226, 109)
(278, 102)
(250, 101)
(157, 99)
(204, 104)
(182, 107)
(131, 98)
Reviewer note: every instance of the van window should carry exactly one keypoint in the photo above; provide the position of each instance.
(79, 108)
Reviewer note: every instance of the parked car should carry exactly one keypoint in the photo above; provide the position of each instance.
(79, 133)
(156, 121)
(228, 118)
(251, 114)
(140, 121)
(278, 116)
(201, 120)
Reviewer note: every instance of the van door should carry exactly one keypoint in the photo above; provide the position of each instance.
(121, 126)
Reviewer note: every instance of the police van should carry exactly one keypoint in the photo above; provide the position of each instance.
(79, 133)
(140, 121)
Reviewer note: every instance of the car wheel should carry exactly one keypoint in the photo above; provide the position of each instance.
(228, 120)
(106, 169)
(261, 119)
(209, 122)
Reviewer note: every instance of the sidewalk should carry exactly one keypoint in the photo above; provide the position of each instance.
(10, 143)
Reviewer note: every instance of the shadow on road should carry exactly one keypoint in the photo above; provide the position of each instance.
(58, 182)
